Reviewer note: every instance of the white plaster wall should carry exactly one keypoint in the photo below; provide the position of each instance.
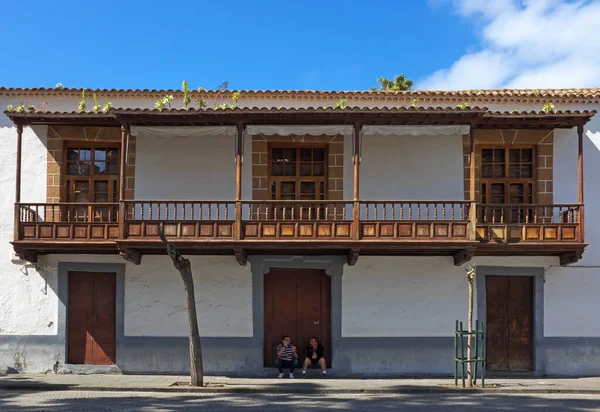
(407, 168)
(403, 297)
(155, 300)
(193, 168)
(28, 302)
(571, 302)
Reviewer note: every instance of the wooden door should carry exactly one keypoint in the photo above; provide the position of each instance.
(298, 304)
(91, 318)
(509, 344)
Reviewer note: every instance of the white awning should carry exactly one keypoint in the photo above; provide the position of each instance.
(300, 130)
(415, 130)
(183, 131)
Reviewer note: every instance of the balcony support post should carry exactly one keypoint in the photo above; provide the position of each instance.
(473, 206)
(356, 159)
(580, 183)
(18, 181)
(122, 162)
(239, 160)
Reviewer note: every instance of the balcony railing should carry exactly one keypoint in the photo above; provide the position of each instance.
(386, 220)
(529, 223)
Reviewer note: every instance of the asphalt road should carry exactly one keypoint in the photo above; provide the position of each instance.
(135, 401)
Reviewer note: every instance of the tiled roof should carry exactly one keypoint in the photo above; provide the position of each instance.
(583, 95)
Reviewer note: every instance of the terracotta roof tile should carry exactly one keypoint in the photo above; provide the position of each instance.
(588, 95)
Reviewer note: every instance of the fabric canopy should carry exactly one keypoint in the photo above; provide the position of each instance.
(183, 131)
(414, 130)
(300, 130)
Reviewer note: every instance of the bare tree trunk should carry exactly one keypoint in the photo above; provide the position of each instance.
(184, 267)
(470, 378)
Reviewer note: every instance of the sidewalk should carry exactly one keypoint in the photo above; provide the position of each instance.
(170, 383)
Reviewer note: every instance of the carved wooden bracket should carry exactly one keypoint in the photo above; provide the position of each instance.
(353, 256)
(27, 255)
(462, 257)
(569, 258)
(130, 255)
(241, 256)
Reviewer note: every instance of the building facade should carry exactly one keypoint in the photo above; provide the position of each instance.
(355, 224)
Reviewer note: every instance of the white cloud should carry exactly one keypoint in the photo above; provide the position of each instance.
(527, 44)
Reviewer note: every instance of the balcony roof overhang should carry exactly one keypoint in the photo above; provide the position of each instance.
(478, 117)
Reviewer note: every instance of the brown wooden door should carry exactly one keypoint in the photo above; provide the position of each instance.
(298, 304)
(509, 344)
(91, 318)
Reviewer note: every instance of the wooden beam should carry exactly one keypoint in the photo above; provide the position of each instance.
(130, 255)
(473, 207)
(19, 150)
(27, 255)
(122, 165)
(580, 183)
(241, 256)
(356, 160)
(462, 257)
(569, 258)
(353, 256)
(238, 180)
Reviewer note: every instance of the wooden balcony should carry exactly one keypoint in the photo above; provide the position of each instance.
(369, 227)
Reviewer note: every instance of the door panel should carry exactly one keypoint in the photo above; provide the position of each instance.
(297, 303)
(104, 322)
(80, 318)
(497, 288)
(509, 340)
(521, 323)
(91, 314)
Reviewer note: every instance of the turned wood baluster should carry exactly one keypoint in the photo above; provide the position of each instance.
(284, 210)
(401, 211)
(435, 211)
(327, 212)
(226, 211)
(366, 211)
(393, 211)
(267, 210)
(443, 211)
(409, 211)
(418, 211)
(343, 212)
(384, 211)
(375, 207)
(310, 209)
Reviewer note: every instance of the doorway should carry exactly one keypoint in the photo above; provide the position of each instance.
(91, 316)
(298, 304)
(509, 319)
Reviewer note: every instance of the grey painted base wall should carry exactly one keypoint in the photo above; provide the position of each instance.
(354, 357)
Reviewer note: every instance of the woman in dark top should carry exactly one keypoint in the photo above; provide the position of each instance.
(314, 356)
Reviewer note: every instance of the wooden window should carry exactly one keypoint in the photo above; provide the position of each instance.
(508, 177)
(91, 176)
(298, 172)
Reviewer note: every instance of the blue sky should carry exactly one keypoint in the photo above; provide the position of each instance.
(325, 45)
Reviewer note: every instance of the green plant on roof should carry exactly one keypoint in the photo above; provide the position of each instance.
(161, 103)
(201, 89)
(186, 94)
(10, 108)
(535, 91)
(514, 111)
(397, 84)
(225, 105)
(235, 96)
(463, 105)
(97, 107)
(415, 103)
(58, 86)
(82, 104)
(480, 93)
(548, 108)
(201, 103)
(340, 104)
(107, 107)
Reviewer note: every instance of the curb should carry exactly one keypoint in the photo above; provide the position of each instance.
(287, 391)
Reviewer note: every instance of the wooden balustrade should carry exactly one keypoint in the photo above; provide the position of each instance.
(333, 220)
(529, 222)
(303, 219)
(185, 219)
(415, 219)
(67, 221)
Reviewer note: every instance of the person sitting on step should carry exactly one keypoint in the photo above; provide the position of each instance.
(287, 356)
(314, 357)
